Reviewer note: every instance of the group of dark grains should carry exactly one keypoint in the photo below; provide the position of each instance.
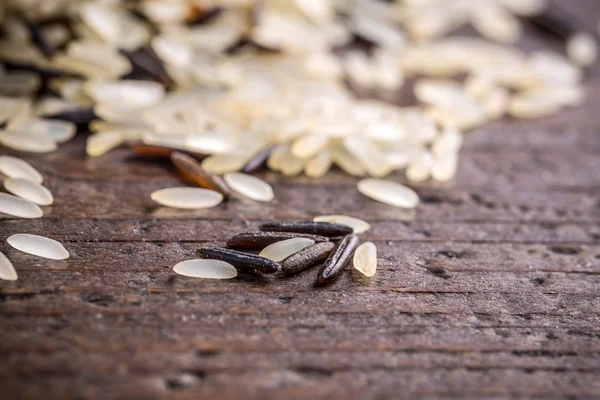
(334, 246)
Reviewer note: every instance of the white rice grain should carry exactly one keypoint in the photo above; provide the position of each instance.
(13, 205)
(444, 166)
(29, 190)
(419, 167)
(318, 166)
(16, 168)
(450, 140)
(28, 142)
(281, 250)
(187, 197)
(249, 186)
(308, 145)
(225, 163)
(365, 259)
(38, 246)
(389, 192)
(207, 269)
(7, 270)
(60, 131)
(101, 143)
(582, 49)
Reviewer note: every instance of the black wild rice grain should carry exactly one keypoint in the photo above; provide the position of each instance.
(258, 240)
(316, 228)
(243, 262)
(337, 260)
(307, 257)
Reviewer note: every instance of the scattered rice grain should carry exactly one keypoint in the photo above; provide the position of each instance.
(389, 192)
(29, 190)
(250, 186)
(16, 168)
(206, 268)
(365, 259)
(281, 250)
(187, 198)
(7, 270)
(357, 225)
(38, 246)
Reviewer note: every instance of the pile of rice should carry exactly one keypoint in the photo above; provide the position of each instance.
(248, 75)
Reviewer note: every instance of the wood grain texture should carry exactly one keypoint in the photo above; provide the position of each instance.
(515, 314)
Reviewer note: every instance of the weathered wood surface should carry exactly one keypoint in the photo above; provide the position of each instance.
(516, 315)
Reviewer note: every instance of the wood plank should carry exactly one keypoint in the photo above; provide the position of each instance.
(199, 230)
(121, 199)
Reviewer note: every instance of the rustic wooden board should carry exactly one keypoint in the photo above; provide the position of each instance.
(515, 315)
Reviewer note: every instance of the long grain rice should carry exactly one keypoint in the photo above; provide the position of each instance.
(389, 192)
(206, 268)
(357, 225)
(16, 168)
(100, 143)
(29, 190)
(39, 246)
(582, 49)
(7, 270)
(28, 142)
(187, 198)
(249, 186)
(13, 205)
(281, 250)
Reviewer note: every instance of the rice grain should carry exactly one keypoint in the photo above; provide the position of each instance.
(101, 143)
(318, 166)
(357, 225)
(7, 270)
(365, 259)
(327, 229)
(187, 198)
(389, 192)
(281, 250)
(28, 142)
(16, 168)
(243, 262)
(582, 49)
(29, 190)
(307, 257)
(13, 205)
(192, 171)
(258, 240)
(337, 260)
(206, 268)
(250, 186)
(38, 246)
(59, 131)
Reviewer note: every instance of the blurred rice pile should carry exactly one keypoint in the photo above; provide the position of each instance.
(233, 78)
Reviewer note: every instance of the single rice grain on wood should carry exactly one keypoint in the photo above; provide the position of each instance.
(206, 268)
(357, 225)
(250, 186)
(14, 167)
(7, 270)
(187, 198)
(389, 192)
(39, 246)
(365, 259)
(13, 205)
(285, 248)
(29, 190)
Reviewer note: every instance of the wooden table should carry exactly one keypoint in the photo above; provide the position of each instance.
(516, 315)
